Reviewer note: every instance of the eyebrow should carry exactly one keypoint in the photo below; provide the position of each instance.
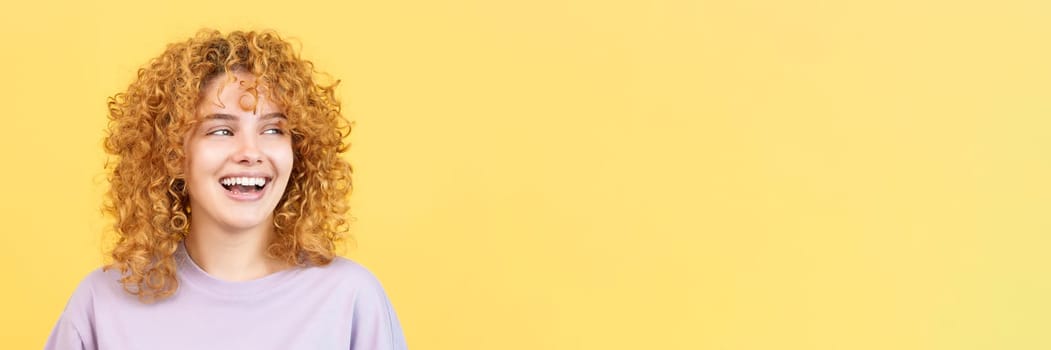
(222, 116)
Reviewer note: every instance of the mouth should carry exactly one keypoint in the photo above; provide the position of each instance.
(245, 187)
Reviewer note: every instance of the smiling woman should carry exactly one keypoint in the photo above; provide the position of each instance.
(229, 196)
(236, 148)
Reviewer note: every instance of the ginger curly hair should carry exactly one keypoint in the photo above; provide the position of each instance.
(145, 137)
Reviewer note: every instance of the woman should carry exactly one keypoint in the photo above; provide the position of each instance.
(229, 197)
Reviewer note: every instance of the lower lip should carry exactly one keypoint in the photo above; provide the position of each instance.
(245, 196)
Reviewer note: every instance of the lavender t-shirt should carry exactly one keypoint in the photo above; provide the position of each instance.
(338, 306)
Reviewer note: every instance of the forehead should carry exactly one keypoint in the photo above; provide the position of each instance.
(235, 92)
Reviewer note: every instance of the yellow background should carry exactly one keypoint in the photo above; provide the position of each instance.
(587, 174)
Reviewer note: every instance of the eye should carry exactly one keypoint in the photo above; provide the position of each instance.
(274, 131)
(222, 132)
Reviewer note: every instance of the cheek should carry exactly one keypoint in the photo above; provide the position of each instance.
(285, 160)
(281, 155)
(201, 161)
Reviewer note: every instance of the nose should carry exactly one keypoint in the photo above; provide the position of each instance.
(248, 152)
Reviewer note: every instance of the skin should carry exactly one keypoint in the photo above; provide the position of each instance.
(241, 131)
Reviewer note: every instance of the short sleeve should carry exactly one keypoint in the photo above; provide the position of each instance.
(64, 337)
(73, 331)
(375, 325)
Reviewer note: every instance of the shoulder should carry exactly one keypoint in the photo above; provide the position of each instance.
(80, 308)
(99, 283)
(351, 292)
(100, 288)
(375, 324)
(96, 292)
(347, 278)
(349, 273)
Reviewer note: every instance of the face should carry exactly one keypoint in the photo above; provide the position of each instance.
(239, 158)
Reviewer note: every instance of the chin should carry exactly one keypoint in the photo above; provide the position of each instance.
(247, 222)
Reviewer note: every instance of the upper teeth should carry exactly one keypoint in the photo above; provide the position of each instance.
(244, 181)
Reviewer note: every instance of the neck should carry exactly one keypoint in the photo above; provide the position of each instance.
(231, 255)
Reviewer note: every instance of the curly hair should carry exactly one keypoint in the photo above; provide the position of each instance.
(145, 137)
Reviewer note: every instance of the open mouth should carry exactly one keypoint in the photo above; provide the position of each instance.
(241, 184)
